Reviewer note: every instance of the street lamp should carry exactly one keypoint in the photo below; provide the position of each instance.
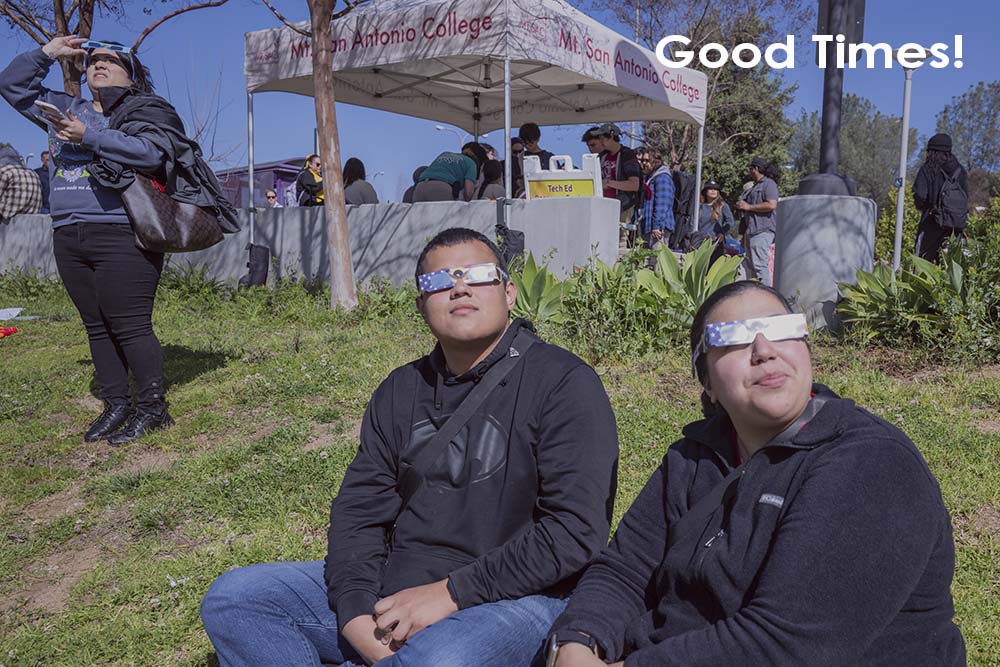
(377, 174)
(897, 246)
(442, 128)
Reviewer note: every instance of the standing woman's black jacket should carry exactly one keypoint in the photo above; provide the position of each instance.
(835, 550)
(187, 176)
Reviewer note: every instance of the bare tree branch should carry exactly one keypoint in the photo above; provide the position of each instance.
(26, 21)
(72, 10)
(288, 24)
(349, 6)
(178, 12)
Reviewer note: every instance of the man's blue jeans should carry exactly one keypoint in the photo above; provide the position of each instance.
(277, 614)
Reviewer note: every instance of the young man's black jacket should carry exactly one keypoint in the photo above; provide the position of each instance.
(835, 549)
(518, 504)
(928, 183)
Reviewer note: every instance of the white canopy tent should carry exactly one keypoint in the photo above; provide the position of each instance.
(481, 65)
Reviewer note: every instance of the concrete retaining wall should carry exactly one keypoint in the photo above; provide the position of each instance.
(385, 238)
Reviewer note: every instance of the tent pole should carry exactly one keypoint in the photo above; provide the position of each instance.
(250, 205)
(508, 186)
(697, 178)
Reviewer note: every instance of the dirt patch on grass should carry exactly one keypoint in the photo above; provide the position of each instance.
(49, 581)
(57, 505)
(987, 522)
(987, 425)
(338, 434)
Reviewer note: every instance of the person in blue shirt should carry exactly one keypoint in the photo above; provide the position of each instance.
(657, 223)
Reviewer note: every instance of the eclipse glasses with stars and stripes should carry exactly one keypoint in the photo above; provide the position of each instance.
(480, 274)
(743, 332)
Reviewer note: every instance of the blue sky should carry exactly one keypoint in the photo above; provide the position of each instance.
(190, 52)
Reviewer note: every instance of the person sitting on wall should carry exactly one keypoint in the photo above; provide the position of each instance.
(309, 183)
(483, 484)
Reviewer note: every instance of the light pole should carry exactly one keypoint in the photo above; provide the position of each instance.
(442, 128)
(897, 245)
(377, 174)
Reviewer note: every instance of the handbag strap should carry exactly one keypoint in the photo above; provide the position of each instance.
(412, 479)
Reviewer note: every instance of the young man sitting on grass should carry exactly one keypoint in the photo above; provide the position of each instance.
(483, 485)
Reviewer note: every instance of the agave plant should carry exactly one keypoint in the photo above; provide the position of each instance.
(539, 294)
(682, 288)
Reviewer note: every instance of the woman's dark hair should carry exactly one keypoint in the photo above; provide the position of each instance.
(709, 408)
(456, 236)
(354, 170)
(479, 155)
(139, 73)
(492, 172)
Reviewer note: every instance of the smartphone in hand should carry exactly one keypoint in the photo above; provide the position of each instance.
(50, 110)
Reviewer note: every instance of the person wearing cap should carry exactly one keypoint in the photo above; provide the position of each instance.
(759, 206)
(621, 174)
(787, 527)
(715, 218)
(941, 194)
(657, 220)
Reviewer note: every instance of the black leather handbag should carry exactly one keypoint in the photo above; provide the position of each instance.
(163, 224)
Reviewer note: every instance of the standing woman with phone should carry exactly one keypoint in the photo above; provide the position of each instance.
(112, 282)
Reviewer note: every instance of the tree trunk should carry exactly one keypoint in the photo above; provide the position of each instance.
(342, 289)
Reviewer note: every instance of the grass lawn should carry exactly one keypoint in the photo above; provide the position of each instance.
(105, 554)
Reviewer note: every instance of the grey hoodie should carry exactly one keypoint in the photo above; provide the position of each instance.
(74, 194)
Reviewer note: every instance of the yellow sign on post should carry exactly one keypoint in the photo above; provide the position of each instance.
(562, 180)
(561, 188)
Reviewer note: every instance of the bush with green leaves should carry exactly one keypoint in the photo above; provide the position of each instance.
(624, 310)
(952, 309)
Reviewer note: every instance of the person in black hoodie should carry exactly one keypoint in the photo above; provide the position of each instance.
(788, 527)
(941, 194)
(474, 569)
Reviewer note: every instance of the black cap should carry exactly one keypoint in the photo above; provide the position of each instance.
(758, 162)
(939, 142)
(711, 185)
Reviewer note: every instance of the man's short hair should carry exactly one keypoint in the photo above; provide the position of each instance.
(530, 132)
(44, 153)
(651, 152)
(456, 236)
(592, 133)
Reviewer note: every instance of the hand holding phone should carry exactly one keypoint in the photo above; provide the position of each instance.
(50, 111)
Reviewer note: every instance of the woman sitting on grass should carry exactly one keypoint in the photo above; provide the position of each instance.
(788, 527)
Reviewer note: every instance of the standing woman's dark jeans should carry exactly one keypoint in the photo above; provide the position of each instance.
(112, 283)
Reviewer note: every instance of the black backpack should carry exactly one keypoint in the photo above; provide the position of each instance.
(952, 208)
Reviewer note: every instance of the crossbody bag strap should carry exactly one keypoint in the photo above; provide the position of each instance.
(412, 479)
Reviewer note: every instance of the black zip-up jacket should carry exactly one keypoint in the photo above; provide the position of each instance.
(518, 504)
(835, 549)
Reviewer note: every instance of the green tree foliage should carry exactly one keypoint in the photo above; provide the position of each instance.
(869, 148)
(973, 121)
(745, 117)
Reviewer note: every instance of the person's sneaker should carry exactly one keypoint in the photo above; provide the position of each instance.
(140, 424)
(108, 421)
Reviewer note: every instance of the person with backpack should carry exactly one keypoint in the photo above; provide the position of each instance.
(759, 205)
(941, 194)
